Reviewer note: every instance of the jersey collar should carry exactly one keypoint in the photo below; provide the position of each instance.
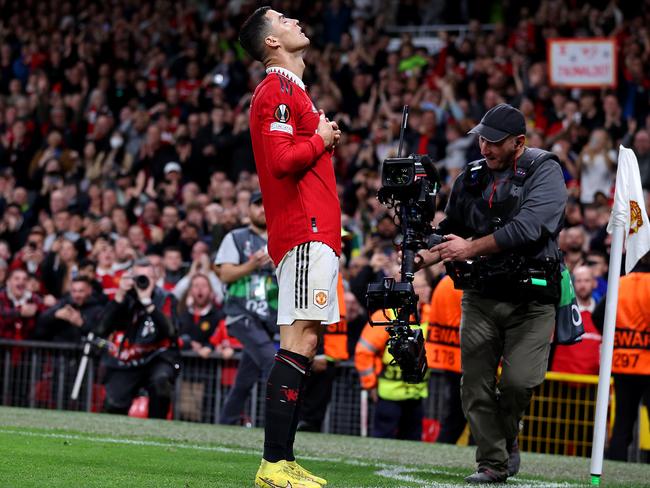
(287, 74)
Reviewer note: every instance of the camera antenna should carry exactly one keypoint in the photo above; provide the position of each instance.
(405, 118)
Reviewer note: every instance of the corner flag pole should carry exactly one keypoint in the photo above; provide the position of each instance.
(607, 348)
(628, 221)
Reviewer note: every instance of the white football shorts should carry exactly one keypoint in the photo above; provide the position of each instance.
(307, 282)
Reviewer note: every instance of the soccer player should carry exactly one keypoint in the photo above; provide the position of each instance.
(292, 144)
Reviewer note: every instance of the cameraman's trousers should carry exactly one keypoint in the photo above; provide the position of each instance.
(521, 334)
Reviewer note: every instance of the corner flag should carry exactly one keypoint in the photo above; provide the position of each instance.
(629, 221)
(629, 208)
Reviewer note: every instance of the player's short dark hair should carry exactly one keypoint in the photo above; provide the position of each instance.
(252, 33)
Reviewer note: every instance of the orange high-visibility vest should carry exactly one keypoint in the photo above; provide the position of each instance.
(632, 336)
(369, 351)
(335, 336)
(443, 335)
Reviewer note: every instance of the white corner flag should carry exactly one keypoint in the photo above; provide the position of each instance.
(629, 222)
(629, 208)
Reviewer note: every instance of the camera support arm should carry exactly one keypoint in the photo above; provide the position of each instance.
(409, 185)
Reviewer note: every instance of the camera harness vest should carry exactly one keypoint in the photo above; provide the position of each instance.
(477, 178)
(520, 275)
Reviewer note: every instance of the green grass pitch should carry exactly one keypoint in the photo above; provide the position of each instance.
(42, 448)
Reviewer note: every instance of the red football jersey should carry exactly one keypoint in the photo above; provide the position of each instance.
(110, 281)
(295, 171)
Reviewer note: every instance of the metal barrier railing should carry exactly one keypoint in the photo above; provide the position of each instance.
(561, 415)
(41, 375)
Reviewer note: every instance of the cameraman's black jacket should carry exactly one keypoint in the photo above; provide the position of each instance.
(523, 206)
(139, 336)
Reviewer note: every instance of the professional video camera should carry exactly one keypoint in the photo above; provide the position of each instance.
(410, 186)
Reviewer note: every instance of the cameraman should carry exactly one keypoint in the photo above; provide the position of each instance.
(504, 214)
(142, 319)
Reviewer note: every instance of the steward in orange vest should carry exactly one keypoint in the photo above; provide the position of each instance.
(631, 359)
(443, 353)
(443, 335)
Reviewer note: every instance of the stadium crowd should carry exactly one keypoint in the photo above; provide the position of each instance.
(124, 134)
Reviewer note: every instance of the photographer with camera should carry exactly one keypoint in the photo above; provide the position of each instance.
(142, 319)
(500, 246)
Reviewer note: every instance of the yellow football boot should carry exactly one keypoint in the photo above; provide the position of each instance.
(279, 475)
(302, 472)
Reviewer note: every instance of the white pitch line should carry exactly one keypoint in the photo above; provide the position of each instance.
(112, 440)
(390, 471)
(401, 473)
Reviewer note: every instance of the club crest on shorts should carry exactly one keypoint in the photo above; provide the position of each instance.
(321, 298)
(282, 113)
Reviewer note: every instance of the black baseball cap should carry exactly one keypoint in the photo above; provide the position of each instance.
(500, 122)
(256, 197)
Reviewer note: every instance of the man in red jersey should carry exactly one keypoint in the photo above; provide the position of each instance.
(292, 144)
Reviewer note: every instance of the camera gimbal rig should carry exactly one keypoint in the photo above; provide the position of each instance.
(410, 186)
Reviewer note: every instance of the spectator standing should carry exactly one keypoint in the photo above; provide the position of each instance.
(200, 264)
(31, 256)
(596, 166)
(60, 267)
(599, 264)
(73, 316)
(107, 272)
(19, 308)
(198, 323)
(19, 311)
(174, 270)
(583, 357)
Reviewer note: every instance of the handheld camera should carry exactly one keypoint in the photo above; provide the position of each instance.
(410, 186)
